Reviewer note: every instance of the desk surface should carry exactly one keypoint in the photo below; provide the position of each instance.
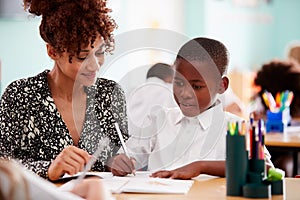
(204, 187)
(283, 140)
(210, 189)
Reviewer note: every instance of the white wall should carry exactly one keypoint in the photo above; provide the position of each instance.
(23, 52)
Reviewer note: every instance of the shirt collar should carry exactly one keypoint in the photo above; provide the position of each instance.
(205, 117)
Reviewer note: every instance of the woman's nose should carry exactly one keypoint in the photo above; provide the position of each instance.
(94, 63)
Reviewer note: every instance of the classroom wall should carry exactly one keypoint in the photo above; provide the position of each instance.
(22, 52)
(253, 34)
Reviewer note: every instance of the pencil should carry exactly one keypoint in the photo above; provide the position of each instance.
(93, 159)
(122, 142)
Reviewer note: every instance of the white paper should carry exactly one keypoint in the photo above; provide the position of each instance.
(98, 174)
(142, 183)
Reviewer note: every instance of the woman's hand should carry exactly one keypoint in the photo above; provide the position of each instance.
(121, 165)
(71, 161)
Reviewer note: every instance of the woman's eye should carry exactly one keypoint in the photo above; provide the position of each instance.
(100, 53)
(81, 58)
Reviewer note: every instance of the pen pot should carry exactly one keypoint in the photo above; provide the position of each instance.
(277, 187)
(236, 164)
(257, 190)
(256, 172)
(278, 121)
(255, 187)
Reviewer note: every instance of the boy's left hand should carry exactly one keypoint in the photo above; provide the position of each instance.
(185, 172)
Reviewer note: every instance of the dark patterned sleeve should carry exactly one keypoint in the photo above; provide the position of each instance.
(10, 124)
(13, 113)
(119, 111)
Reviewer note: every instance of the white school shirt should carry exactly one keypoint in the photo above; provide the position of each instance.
(173, 140)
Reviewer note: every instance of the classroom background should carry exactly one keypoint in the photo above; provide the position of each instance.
(255, 31)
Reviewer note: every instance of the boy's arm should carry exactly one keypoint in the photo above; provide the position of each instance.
(214, 168)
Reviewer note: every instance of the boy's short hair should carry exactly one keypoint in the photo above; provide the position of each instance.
(160, 70)
(205, 50)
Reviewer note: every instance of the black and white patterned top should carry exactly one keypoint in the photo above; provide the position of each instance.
(33, 131)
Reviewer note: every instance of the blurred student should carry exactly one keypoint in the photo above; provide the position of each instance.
(279, 76)
(18, 183)
(155, 92)
(195, 131)
(294, 52)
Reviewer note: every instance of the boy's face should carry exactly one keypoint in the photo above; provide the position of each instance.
(195, 86)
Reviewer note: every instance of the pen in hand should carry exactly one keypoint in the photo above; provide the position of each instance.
(123, 143)
(93, 159)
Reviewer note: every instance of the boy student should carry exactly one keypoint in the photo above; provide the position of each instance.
(191, 136)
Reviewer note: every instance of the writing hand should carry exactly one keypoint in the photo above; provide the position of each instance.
(71, 161)
(121, 165)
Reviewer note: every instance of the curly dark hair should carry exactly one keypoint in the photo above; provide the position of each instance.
(278, 76)
(69, 25)
(205, 50)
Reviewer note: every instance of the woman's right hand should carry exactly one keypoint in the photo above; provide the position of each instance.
(121, 165)
(71, 161)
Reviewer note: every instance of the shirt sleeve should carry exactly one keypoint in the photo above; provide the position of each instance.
(143, 140)
(11, 132)
(119, 112)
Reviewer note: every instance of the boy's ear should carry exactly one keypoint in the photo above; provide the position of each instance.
(224, 84)
(51, 52)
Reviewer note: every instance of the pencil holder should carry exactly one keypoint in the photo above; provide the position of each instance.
(277, 187)
(257, 190)
(255, 187)
(256, 172)
(278, 121)
(236, 164)
(257, 166)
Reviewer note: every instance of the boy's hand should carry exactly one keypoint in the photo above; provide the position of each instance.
(214, 168)
(121, 165)
(185, 172)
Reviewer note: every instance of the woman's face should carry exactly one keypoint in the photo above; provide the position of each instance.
(84, 66)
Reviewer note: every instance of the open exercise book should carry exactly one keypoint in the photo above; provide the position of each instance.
(142, 183)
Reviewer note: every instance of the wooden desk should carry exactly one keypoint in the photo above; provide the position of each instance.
(204, 187)
(285, 142)
(210, 189)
